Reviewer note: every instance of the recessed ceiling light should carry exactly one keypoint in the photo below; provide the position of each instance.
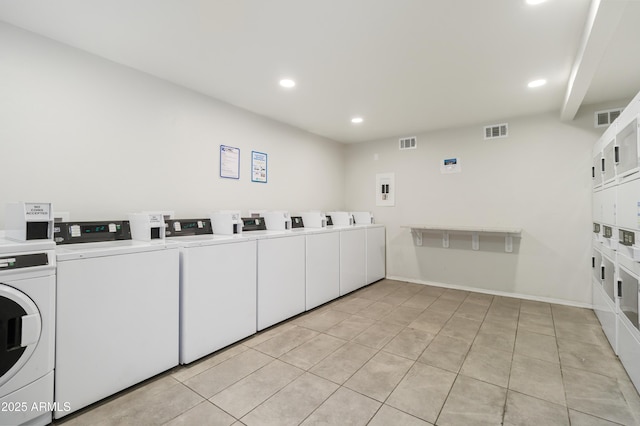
(534, 2)
(287, 82)
(357, 120)
(537, 83)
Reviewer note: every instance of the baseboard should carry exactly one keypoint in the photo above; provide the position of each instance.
(494, 292)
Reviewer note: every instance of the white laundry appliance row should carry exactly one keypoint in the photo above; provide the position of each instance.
(616, 236)
(133, 298)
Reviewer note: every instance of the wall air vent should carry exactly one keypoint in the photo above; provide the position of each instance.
(606, 117)
(496, 131)
(409, 143)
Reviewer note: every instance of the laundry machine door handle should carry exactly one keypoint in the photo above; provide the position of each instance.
(30, 329)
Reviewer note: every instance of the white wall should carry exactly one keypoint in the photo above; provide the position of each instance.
(100, 140)
(537, 179)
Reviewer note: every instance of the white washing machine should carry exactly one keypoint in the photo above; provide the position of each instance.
(217, 287)
(27, 328)
(117, 311)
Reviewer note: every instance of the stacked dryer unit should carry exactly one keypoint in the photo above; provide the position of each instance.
(616, 247)
(27, 315)
(117, 307)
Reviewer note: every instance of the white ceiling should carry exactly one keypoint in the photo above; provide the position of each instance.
(405, 66)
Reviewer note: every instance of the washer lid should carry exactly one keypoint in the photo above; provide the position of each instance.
(20, 329)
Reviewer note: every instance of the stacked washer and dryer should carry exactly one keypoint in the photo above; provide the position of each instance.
(27, 315)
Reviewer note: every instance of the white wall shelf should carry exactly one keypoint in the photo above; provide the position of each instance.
(475, 232)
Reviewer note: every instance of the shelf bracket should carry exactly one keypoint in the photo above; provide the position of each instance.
(418, 235)
(445, 239)
(475, 241)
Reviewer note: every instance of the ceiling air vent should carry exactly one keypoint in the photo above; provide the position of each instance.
(606, 117)
(408, 143)
(496, 131)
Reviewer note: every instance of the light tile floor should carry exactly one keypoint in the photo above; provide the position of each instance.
(396, 353)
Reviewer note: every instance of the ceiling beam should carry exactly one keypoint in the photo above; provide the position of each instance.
(604, 17)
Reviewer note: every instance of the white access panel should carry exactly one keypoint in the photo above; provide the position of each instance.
(597, 266)
(609, 205)
(627, 141)
(628, 212)
(606, 313)
(628, 299)
(609, 161)
(353, 259)
(281, 278)
(217, 297)
(117, 323)
(596, 202)
(322, 267)
(376, 254)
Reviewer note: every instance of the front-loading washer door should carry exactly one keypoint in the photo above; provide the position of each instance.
(20, 327)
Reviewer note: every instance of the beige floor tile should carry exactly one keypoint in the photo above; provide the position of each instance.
(157, 404)
(453, 294)
(523, 410)
(285, 341)
(185, 372)
(445, 352)
(586, 333)
(403, 315)
(480, 299)
(502, 313)
(432, 291)
(506, 302)
(582, 419)
(542, 324)
(409, 343)
(572, 314)
(351, 327)
(420, 301)
(431, 321)
(267, 334)
(379, 376)
(387, 416)
(397, 297)
(292, 404)
(377, 310)
(422, 391)
(322, 320)
(378, 335)
(535, 307)
(246, 394)
(461, 328)
(345, 361)
(595, 358)
(496, 338)
(536, 345)
(352, 306)
(344, 407)
(445, 305)
(487, 364)
(537, 378)
(228, 372)
(472, 402)
(472, 311)
(312, 351)
(597, 395)
(204, 413)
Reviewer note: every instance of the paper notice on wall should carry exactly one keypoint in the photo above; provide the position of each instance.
(229, 162)
(450, 165)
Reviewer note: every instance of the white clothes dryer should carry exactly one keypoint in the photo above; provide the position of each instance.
(27, 331)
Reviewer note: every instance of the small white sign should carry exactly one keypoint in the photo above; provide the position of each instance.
(34, 211)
